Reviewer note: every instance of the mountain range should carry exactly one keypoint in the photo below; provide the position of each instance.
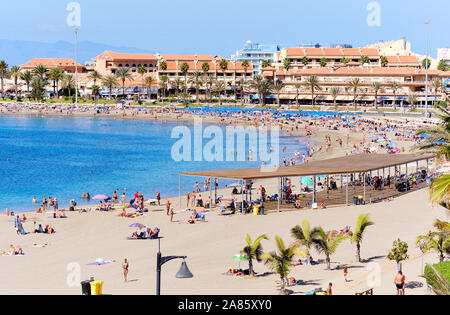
(17, 52)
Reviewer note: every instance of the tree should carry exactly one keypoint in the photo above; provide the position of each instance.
(110, 81)
(253, 250)
(383, 61)
(205, 69)
(56, 75)
(142, 71)
(286, 64)
(438, 241)
(344, 60)
(38, 85)
(394, 87)
(219, 86)
(377, 87)
(426, 63)
(41, 71)
(440, 190)
(304, 236)
(262, 87)
(163, 65)
(94, 76)
(335, 91)
(297, 89)
(3, 73)
(241, 85)
(439, 284)
(354, 84)
(327, 243)
(184, 70)
(266, 63)
(312, 83)
(364, 59)
(442, 66)
(123, 74)
(196, 79)
(163, 81)
(362, 223)
(223, 65)
(323, 62)
(280, 261)
(95, 92)
(15, 74)
(68, 82)
(177, 82)
(27, 76)
(437, 85)
(278, 87)
(398, 252)
(412, 100)
(149, 82)
(305, 60)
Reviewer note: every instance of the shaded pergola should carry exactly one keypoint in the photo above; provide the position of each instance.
(363, 164)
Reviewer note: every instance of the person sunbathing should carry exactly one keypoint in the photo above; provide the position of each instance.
(11, 251)
(49, 230)
(234, 272)
(154, 233)
(297, 263)
(39, 229)
(191, 219)
(62, 214)
(18, 250)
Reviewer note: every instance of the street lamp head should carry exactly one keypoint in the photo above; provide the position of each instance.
(427, 22)
(76, 29)
(184, 272)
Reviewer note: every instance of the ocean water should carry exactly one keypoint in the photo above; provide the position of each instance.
(65, 156)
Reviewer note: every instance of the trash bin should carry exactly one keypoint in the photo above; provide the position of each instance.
(355, 200)
(86, 287)
(255, 210)
(360, 200)
(261, 210)
(96, 287)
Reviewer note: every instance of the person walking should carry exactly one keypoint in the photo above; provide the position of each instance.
(125, 267)
(399, 282)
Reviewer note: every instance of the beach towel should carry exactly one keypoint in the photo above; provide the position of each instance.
(100, 262)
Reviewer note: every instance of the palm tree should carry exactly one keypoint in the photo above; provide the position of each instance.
(27, 76)
(223, 65)
(335, 91)
(364, 59)
(383, 61)
(377, 87)
(245, 65)
(219, 86)
(68, 82)
(394, 87)
(362, 223)
(323, 62)
(280, 261)
(142, 71)
(163, 81)
(95, 92)
(196, 79)
(440, 190)
(304, 236)
(437, 84)
(184, 70)
(38, 85)
(3, 73)
(297, 87)
(286, 64)
(305, 60)
(439, 284)
(41, 71)
(149, 81)
(241, 85)
(56, 75)
(110, 81)
(262, 86)
(253, 250)
(177, 83)
(205, 69)
(412, 100)
(163, 65)
(327, 243)
(123, 74)
(94, 76)
(354, 84)
(278, 87)
(266, 63)
(312, 83)
(437, 241)
(15, 74)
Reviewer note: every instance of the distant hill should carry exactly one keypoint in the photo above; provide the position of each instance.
(17, 52)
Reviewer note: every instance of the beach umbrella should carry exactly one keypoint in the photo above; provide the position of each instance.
(306, 181)
(138, 225)
(100, 197)
(239, 258)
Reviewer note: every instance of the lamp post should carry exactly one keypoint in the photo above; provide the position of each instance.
(76, 65)
(183, 273)
(426, 72)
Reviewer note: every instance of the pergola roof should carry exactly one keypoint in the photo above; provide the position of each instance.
(342, 165)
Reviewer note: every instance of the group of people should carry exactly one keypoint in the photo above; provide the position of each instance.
(47, 230)
(13, 251)
(149, 233)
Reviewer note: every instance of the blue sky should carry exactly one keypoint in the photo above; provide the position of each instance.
(221, 27)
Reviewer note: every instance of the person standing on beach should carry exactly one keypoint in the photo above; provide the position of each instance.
(158, 197)
(125, 267)
(167, 206)
(399, 282)
(345, 273)
(329, 289)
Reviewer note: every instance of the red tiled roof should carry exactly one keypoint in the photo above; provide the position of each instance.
(363, 71)
(113, 56)
(50, 62)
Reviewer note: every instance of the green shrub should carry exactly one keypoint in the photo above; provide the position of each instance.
(443, 268)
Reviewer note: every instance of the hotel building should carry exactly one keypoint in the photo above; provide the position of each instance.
(256, 54)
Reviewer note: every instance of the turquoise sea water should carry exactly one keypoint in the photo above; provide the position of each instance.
(65, 156)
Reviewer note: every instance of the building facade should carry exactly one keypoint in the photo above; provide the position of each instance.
(256, 54)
